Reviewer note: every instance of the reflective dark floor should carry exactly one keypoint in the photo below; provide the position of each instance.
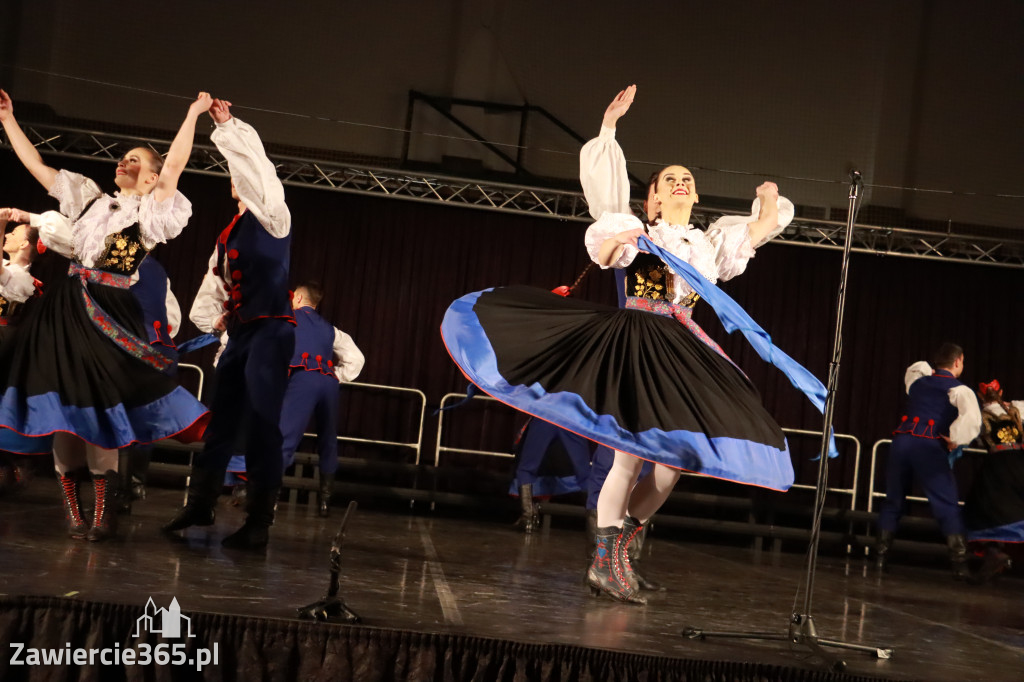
(427, 572)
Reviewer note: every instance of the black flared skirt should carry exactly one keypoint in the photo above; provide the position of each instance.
(636, 381)
(994, 509)
(77, 362)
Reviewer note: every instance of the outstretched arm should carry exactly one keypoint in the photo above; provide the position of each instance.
(602, 164)
(768, 216)
(181, 149)
(26, 151)
(254, 175)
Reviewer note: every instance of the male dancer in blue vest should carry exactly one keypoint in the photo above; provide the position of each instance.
(245, 292)
(324, 355)
(941, 415)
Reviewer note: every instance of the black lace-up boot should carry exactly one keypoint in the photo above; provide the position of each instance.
(78, 527)
(633, 533)
(607, 573)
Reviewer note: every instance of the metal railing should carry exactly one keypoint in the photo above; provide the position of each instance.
(199, 370)
(416, 446)
(872, 493)
(851, 491)
(440, 424)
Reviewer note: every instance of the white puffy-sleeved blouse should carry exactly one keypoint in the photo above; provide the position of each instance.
(83, 238)
(606, 185)
(720, 253)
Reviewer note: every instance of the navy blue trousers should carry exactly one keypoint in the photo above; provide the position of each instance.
(252, 376)
(926, 462)
(540, 437)
(311, 395)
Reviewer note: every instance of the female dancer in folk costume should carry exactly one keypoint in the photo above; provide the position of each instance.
(79, 376)
(606, 188)
(644, 380)
(994, 508)
(17, 286)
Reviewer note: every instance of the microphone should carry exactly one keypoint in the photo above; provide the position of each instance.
(855, 177)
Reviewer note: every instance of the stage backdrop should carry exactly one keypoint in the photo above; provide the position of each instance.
(390, 268)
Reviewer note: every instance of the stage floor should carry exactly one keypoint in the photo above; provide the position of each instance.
(433, 572)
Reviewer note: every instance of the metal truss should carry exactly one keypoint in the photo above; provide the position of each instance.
(535, 201)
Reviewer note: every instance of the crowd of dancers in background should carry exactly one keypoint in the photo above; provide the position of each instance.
(88, 361)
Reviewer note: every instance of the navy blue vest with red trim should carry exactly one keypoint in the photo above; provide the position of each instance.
(257, 270)
(151, 293)
(929, 413)
(314, 343)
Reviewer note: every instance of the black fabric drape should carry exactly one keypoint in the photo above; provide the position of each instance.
(390, 268)
(253, 649)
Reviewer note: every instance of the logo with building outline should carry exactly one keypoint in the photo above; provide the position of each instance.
(166, 622)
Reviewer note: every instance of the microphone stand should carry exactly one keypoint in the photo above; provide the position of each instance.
(332, 608)
(801, 628)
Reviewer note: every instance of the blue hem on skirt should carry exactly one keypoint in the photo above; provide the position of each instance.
(38, 417)
(732, 459)
(1011, 532)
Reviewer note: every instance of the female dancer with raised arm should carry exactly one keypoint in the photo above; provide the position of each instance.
(644, 380)
(78, 372)
(606, 188)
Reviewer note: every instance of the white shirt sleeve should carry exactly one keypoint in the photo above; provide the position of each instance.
(54, 231)
(209, 303)
(254, 175)
(916, 371)
(173, 312)
(16, 284)
(603, 175)
(609, 225)
(732, 248)
(348, 359)
(74, 192)
(1019, 404)
(162, 221)
(967, 425)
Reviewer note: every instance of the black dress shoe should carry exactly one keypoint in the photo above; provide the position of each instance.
(192, 514)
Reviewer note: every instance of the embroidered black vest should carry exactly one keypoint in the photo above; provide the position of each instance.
(124, 252)
(1002, 432)
(648, 277)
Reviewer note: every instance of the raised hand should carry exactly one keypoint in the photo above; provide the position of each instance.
(767, 190)
(15, 215)
(221, 111)
(6, 106)
(202, 103)
(619, 106)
